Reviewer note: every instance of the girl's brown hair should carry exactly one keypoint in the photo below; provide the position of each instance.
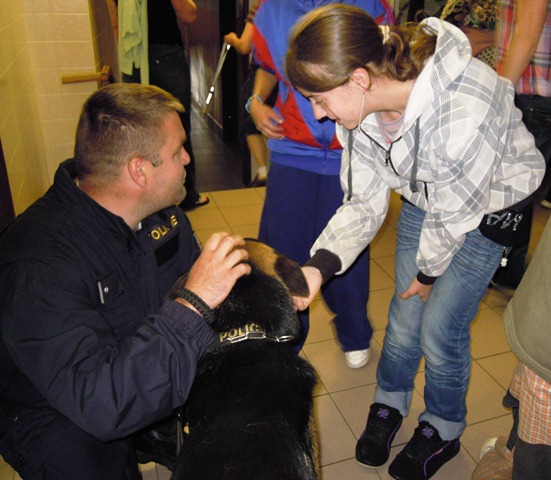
(330, 42)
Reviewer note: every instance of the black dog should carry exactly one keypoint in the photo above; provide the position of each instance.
(250, 409)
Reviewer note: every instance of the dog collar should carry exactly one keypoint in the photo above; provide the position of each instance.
(251, 331)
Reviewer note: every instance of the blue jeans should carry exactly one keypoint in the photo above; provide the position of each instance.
(297, 207)
(438, 329)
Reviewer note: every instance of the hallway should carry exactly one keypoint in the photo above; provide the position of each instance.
(218, 164)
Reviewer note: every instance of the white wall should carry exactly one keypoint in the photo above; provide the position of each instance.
(41, 40)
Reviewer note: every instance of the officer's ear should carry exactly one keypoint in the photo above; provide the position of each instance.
(137, 171)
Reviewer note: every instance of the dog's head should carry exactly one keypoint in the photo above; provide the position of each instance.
(264, 297)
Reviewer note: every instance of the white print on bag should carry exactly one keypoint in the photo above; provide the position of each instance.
(505, 218)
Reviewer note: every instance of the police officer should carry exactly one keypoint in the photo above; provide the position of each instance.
(91, 349)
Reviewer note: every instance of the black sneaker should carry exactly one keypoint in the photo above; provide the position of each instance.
(423, 455)
(373, 447)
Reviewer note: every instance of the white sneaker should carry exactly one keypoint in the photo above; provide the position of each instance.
(357, 358)
(489, 445)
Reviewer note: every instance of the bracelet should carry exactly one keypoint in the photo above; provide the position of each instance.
(198, 303)
(248, 104)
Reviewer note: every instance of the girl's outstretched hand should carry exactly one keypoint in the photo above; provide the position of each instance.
(314, 280)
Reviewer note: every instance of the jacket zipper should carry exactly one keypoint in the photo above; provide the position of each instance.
(388, 159)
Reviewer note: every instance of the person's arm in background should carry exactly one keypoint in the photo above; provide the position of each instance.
(186, 10)
(243, 44)
(264, 116)
(528, 25)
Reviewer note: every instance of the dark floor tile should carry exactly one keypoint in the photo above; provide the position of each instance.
(218, 165)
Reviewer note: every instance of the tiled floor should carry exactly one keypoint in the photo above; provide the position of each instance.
(218, 164)
(343, 395)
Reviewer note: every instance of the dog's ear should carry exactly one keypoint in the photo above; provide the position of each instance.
(291, 274)
(266, 259)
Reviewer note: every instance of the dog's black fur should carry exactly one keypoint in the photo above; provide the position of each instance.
(249, 412)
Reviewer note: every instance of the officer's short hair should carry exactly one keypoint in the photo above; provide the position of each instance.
(119, 122)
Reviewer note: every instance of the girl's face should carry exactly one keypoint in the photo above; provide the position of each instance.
(342, 104)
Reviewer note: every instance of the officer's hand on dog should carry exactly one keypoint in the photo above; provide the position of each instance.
(218, 267)
(314, 280)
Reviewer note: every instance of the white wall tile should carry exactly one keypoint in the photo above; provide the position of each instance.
(39, 26)
(68, 6)
(75, 54)
(71, 27)
(40, 41)
(37, 6)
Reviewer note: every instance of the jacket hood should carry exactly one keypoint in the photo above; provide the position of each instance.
(452, 55)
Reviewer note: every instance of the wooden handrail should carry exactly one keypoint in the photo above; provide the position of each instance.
(106, 75)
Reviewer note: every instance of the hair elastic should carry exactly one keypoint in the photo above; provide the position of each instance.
(385, 30)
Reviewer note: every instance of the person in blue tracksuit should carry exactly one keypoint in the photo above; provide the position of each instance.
(303, 190)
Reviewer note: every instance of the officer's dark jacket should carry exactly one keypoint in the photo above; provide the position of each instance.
(84, 328)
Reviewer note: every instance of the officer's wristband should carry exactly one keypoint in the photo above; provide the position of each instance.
(198, 303)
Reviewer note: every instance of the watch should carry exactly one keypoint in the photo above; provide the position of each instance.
(248, 104)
